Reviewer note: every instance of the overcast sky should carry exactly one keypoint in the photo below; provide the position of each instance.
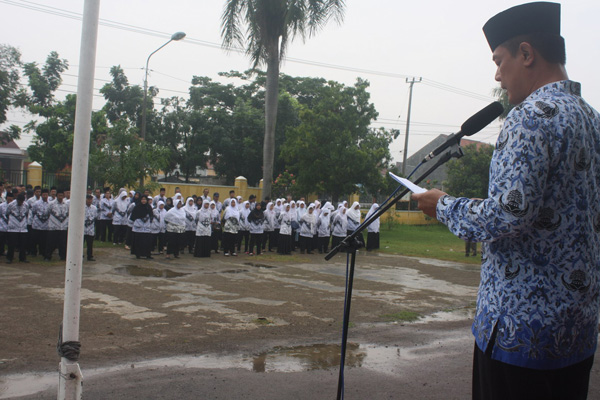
(383, 41)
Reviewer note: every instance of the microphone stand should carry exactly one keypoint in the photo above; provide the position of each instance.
(350, 244)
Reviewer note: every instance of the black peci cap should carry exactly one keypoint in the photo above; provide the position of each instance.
(539, 17)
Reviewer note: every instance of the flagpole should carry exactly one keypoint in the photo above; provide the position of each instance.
(70, 378)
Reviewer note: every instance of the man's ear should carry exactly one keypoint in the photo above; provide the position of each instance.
(527, 54)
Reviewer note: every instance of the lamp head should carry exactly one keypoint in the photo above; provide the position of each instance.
(178, 36)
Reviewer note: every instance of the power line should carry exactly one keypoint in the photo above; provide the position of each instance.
(151, 32)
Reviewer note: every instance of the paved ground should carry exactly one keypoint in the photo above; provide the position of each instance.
(244, 327)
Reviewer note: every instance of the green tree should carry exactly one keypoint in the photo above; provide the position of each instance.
(10, 65)
(184, 131)
(116, 159)
(269, 25)
(334, 150)
(468, 176)
(233, 119)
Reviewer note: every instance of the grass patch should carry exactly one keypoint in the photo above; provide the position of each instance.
(263, 321)
(431, 241)
(403, 316)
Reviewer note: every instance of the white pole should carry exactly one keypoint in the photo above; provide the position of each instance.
(70, 379)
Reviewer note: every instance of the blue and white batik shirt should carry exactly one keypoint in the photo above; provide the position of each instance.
(540, 230)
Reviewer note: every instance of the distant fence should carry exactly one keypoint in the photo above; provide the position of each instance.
(60, 180)
(14, 177)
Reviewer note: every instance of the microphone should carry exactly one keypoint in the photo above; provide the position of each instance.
(470, 127)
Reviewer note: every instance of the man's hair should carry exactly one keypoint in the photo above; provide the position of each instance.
(163, 189)
(37, 188)
(88, 196)
(231, 191)
(551, 47)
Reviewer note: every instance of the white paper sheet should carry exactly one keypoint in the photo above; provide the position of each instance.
(409, 185)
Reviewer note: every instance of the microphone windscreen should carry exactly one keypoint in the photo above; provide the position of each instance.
(481, 119)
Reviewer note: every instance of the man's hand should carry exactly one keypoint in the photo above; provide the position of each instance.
(427, 202)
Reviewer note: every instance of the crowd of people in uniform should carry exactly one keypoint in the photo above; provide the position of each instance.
(35, 221)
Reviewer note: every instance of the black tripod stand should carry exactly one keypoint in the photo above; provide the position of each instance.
(350, 244)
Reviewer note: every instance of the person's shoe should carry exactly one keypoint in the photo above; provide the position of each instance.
(91, 259)
(226, 254)
(474, 254)
(250, 254)
(309, 252)
(234, 254)
(176, 256)
(127, 247)
(150, 258)
(138, 257)
(467, 255)
(320, 251)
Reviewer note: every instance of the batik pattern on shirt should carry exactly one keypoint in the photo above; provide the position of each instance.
(540, 226)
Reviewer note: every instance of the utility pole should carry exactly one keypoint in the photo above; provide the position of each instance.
(412, 82)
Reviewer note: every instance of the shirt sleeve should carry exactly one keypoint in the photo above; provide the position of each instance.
(518, 177)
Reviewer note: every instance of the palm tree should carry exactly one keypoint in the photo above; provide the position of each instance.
(268, 26)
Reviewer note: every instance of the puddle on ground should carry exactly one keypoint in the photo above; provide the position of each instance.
(279, 359)
(259, 265)
(135, 270)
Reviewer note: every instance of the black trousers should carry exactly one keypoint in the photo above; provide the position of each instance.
(495, 380)
(245, 235)
(119, 232)
(56, 239)
(255, 240)
(17, 240)
(229, 242)
(142, 243)
(372, 240)
(38, 242)
(190, 240)
(89, 241)
(105, 225)
(306, 243)
(3, 242)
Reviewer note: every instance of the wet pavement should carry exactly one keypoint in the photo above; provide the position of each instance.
(245, 327)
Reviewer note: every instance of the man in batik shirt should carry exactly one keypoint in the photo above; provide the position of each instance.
(536, 324)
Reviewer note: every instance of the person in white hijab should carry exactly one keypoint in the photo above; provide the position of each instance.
(190, 224)
(175, 220)
(203, 230)
(307, 228)
(270, 222)
(373, 229)
(323, 230)
(339, 226)
(231, 226)
(354, 221)
(244, 232)
(119, 217)
(215, 225)
(300, 209)
(284, 246)
(159, 226)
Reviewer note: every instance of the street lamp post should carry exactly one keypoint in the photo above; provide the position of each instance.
(175, 36)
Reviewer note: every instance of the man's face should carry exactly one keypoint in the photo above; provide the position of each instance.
(162, 193)
(510, 72)
(67, 194)
(98, 193)
(53, 193)
(45, 196)
(60, 197)
(37, 192)
(88, 202)
(205, 192)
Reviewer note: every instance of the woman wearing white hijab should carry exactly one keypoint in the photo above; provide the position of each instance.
(119, 217)
(340, 226)
(190, 224)
(323, 230)
(244, 232)
(295, 224)
(284, 246)
(159, 226)
(354, 221)
(231, 226)
(216, 228)
(373, 230)
(175, 219)
(307, 228)
(203, 230)
(270, 227)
